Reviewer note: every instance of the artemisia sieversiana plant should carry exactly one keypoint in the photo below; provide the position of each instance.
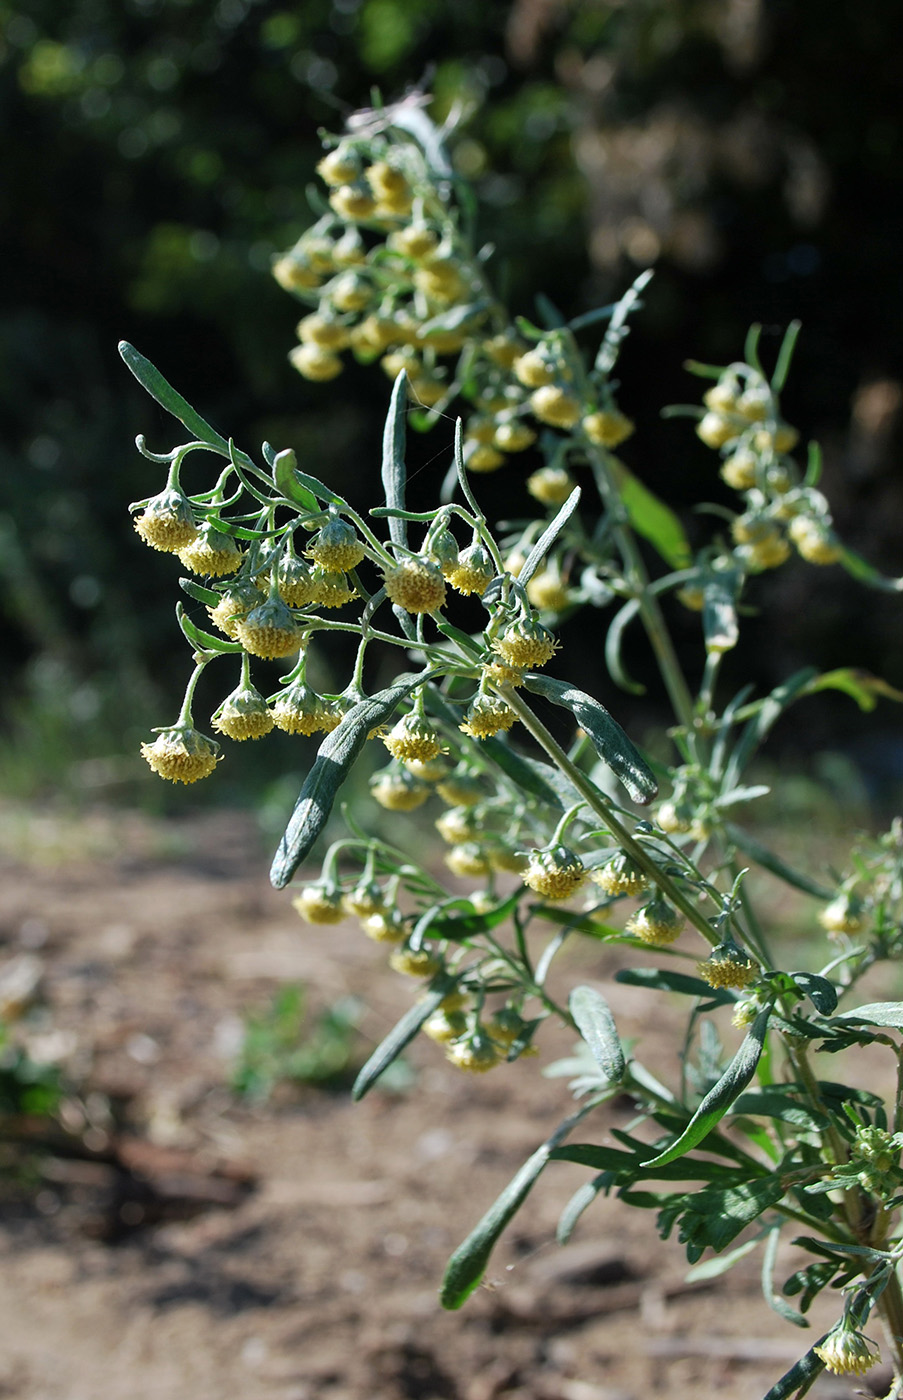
(590, 841)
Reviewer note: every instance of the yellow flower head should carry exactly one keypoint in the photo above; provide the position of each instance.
(457, 825)
(315, 363)
(386, 926)
(339, 167)
(167, 522)
(513, 436)
(477, 1053)
(417, 241)
(365, 899)
(845, 1351)
(844, 914)
(548, 591)
(323, 331)
(728, 967)
(657, 923)
(555, 406)
(300, 710)
(416, 585)
(445, 1026)
(620, 876)
(235, 603)
(243, 715)
(331, 590)
(460, 790)
(551, 486)
(397, 790)
(337, 547)
(269, 630)
(211, 552)
(739, 470)
(534, 369)
(467, 860)
(352, 202)
(607, 427)
(415, 963)
(487, 715)
(413, 737)
(555, 874)
(181, 754)
(296, 583)
(319, 905)
(715, 430)
(473, 572)
(526, 643)
(814, 540)
(500, 673)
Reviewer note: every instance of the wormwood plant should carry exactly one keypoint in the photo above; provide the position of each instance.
(757, 1144)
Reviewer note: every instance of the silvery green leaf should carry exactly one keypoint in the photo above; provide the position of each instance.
(608, 738)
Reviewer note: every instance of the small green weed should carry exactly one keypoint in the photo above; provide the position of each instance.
(283, 1045)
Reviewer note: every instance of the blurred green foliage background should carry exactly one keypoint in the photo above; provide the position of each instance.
(156, 154)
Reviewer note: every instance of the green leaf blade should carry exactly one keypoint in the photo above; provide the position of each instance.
(719, 1099)
(593, 1019)
(607, 737)
(394, 472)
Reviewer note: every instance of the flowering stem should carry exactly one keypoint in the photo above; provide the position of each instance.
(601, 807)
(559, 832)
(638, 579)
(185, 720)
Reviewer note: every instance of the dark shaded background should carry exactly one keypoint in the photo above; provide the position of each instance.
(155, 154)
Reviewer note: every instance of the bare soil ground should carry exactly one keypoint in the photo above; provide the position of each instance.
(197, 1248)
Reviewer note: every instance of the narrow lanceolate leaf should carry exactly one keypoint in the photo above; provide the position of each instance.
(801, 1376)
(594, 1021)
(618, 328)
(719, 1099)
(581, 1200)
(203, 641)
(548, 537)
(607, 737)
(169, 398)
(467, 1265)
(393, 469)
(399, 1037)
(651, 518)
(335, 759)
(877, 1013)
(200, 594)
(665, 981)
(769, 861)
